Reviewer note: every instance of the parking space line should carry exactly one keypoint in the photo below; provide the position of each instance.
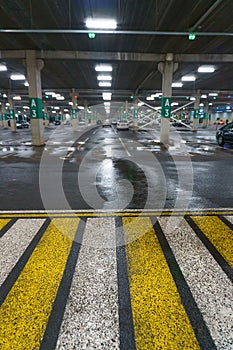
(26, 309)
(159, 317)
(124, 146)
(210, 287)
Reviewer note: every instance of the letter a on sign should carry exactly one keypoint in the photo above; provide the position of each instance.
(167, 103)
(33, 104)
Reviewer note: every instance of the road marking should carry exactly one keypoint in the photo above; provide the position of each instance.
(218, 233)
(14, 243)
(94, 132)
(209, 285)
(160, 321)
(91, 315)
(8, 155)
(25, 311)
(124, 146)
(3, 223)
(86, 140)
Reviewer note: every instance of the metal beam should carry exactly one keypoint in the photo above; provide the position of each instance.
(117, 56)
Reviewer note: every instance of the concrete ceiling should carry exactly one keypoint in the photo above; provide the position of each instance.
(212, 19)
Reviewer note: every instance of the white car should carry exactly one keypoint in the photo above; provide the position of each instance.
(106, 122)
(122, 125)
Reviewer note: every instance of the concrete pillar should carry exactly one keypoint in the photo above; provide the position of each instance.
(34, 67)
(46, 117)
(1, 117)
(195, 113)
(93, 117)
(167, 69)
(206, 115)
(4, 116)
(74, 115)
(12, 115)
(86, 113)
(135, 115)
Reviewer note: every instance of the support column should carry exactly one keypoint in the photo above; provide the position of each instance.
(135, 115)
(86, 113)
(196, 112)
(93, 117)
(74, 115)
(167, 69)
(1, 118)
(46, 117)
(206, 115)
(12, 115)
(4, 117)
(34, 67)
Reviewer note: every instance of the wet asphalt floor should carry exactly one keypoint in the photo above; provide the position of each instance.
(102, 168)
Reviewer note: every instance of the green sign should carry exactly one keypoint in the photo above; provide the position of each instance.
(196, 114)
(206, 115)
(35, 108)
(45, 116)
(4, 116)
(74, 114)
(166, 107)
(12, 114)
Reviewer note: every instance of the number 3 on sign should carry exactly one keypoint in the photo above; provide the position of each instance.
(33, 113)
(166, 113)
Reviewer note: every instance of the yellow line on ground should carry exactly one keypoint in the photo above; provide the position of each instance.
(160, 320)
(3, 223)
(121, 214)
(220, 235)
(26, 309)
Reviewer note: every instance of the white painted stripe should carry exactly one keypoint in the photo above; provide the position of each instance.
(229, 218)
(210, 287)
(185, 210)
(14, 242)
(124, 146)
(91, 316)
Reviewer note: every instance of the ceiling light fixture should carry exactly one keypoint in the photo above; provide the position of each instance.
(213, 94)
(150, 98)
(188, 78)
(60, 98)
(203, 96)
(17, 98)
(103, 68)
(101, 23)
(26, 83)
(104, 84)
(3, 67)
(104, 77)
(177, 84)
(206, 69)
(17, 77)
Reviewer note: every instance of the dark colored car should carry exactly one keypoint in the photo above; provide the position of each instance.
(22, 125)
(57, 122)
(225, 134)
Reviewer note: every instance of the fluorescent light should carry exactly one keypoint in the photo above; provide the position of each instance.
(70, 103)
(66, 110)
(101, 23)
(150, 98)
(203, 96)
(210, 104)
(26, 83)
(206, 69)
(107, 96)
(80, 107)
(7, 104)
(104, 77)
(177, 84)
(192, 99)
(17, 98)
(213, 94)
(25, 107)
(56, 107)
(60, 98)
(50, 93)
(17, 77)
(107, 104)
(188, 78)
(201, 104)
(4, 95)
(3, 67)
(174, 104)
(103, 68)
(140, 104)
(104, 84)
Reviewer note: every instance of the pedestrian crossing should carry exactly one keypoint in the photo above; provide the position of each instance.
(124, 280)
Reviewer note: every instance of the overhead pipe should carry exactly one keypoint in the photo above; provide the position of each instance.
(115, 32)
(205, 15)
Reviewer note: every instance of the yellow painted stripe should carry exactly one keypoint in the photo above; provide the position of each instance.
(220, 235)
(3, 223)
(26, 309)
(160, 320)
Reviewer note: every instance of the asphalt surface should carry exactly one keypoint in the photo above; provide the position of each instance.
(102, 168)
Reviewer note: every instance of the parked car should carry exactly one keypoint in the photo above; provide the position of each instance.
(106, 122)
(122, 125)
(22, 125)
(224, 134)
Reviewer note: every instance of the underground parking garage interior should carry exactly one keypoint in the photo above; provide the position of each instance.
(116, 146)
